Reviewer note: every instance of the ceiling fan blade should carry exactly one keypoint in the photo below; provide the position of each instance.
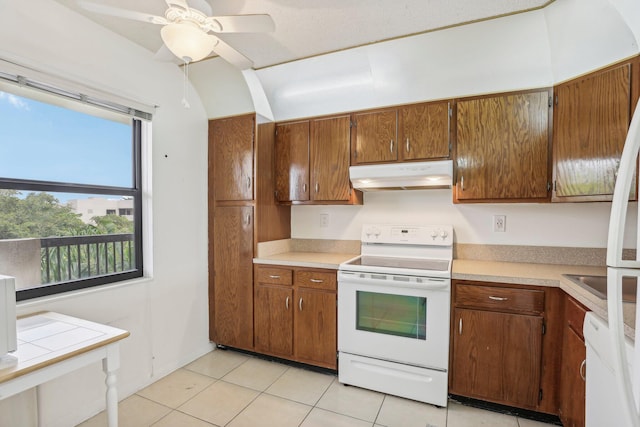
(180, 3)
(231, 55)
(122, 13)
(241, 24)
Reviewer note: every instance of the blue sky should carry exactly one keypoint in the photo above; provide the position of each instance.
(46, 142)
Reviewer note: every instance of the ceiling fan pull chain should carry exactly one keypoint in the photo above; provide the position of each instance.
(185, 86)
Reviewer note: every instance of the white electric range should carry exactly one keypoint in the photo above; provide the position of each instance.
(393, 311)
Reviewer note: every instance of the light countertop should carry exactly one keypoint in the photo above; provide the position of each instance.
(307, 259)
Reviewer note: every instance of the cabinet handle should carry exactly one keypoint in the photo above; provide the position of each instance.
(582, 373)
(460, 327)
(316, 280)
(274, 276)
(248, 182)
(248, 219)
(304, 188)
(462, 183)
(408, 147)
(300, 303)
(391, 146)
(317, 187)
(491, 297)
(286, 303)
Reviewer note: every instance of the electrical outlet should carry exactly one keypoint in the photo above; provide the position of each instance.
(500, 223)
(324, 220)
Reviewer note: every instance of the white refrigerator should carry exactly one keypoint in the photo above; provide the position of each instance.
(613, 388)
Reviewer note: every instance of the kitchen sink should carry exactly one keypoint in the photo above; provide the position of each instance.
(597, 285)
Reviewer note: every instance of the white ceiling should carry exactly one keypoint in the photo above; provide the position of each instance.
(307, 28)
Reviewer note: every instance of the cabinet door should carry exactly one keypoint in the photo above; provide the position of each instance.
(315, 334)
(424, 131)
(496, 357)
(231, 141)
(231, 322)
(374, 136)
(292, 161)
(503, 147)
(330, 159)
(273, 313)
(591, 119)
(572, 383)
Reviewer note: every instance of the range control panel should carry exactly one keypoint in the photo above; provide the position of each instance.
(439, 235)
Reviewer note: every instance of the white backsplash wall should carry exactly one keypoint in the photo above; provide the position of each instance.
(557, 224)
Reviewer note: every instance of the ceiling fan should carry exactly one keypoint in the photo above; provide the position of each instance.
(186, 30)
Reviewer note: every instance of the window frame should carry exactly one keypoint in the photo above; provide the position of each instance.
(135, 192)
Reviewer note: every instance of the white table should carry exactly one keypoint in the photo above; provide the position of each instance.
(52, 344)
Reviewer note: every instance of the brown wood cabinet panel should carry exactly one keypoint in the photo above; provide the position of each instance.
(330, 142)
(503, 145)
(591, 119)
(571, 407)
(292, 161)
(274, 275)
(572, 383)
(232, 305)
(374, 135)
(524, 301)
(232, 140)
(423, 131)
(315, 330)
(273, 313)
(574, 314)
(496, 357)
(273, 221)
(316, 279)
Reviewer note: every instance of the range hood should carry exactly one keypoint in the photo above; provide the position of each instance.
(402, 176)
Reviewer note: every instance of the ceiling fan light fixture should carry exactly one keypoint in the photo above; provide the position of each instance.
(186, 41)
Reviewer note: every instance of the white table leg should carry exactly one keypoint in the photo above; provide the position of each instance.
(109, 365)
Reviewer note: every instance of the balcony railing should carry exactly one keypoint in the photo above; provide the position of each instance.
(79, 257)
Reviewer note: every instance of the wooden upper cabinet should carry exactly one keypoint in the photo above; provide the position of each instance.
(232, 141)
(503, 145)
(292, 161)
(591, 119)
(374, 136)
(411, 132)
(330, 142)
(423, 131)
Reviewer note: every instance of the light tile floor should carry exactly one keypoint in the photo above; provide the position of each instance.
(227, 388)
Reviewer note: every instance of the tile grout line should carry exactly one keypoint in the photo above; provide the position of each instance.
(260, 392)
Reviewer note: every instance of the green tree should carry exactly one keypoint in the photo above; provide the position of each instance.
(36, 215)
(112, 224)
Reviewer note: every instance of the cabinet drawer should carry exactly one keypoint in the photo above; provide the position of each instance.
(574, 313)
(276, 276)
(525, 301)
(316, 279)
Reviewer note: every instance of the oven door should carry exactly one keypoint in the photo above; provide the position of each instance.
(397, 318)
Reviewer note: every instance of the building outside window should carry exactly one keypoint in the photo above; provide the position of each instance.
(70, 193)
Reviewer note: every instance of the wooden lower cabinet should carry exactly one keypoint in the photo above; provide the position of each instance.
(505, 342)
(273, 319)
(295, 314)
(496, 356)
(572, 381)
(315, 327)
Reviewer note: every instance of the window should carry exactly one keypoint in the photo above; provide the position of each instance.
(61, 161)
